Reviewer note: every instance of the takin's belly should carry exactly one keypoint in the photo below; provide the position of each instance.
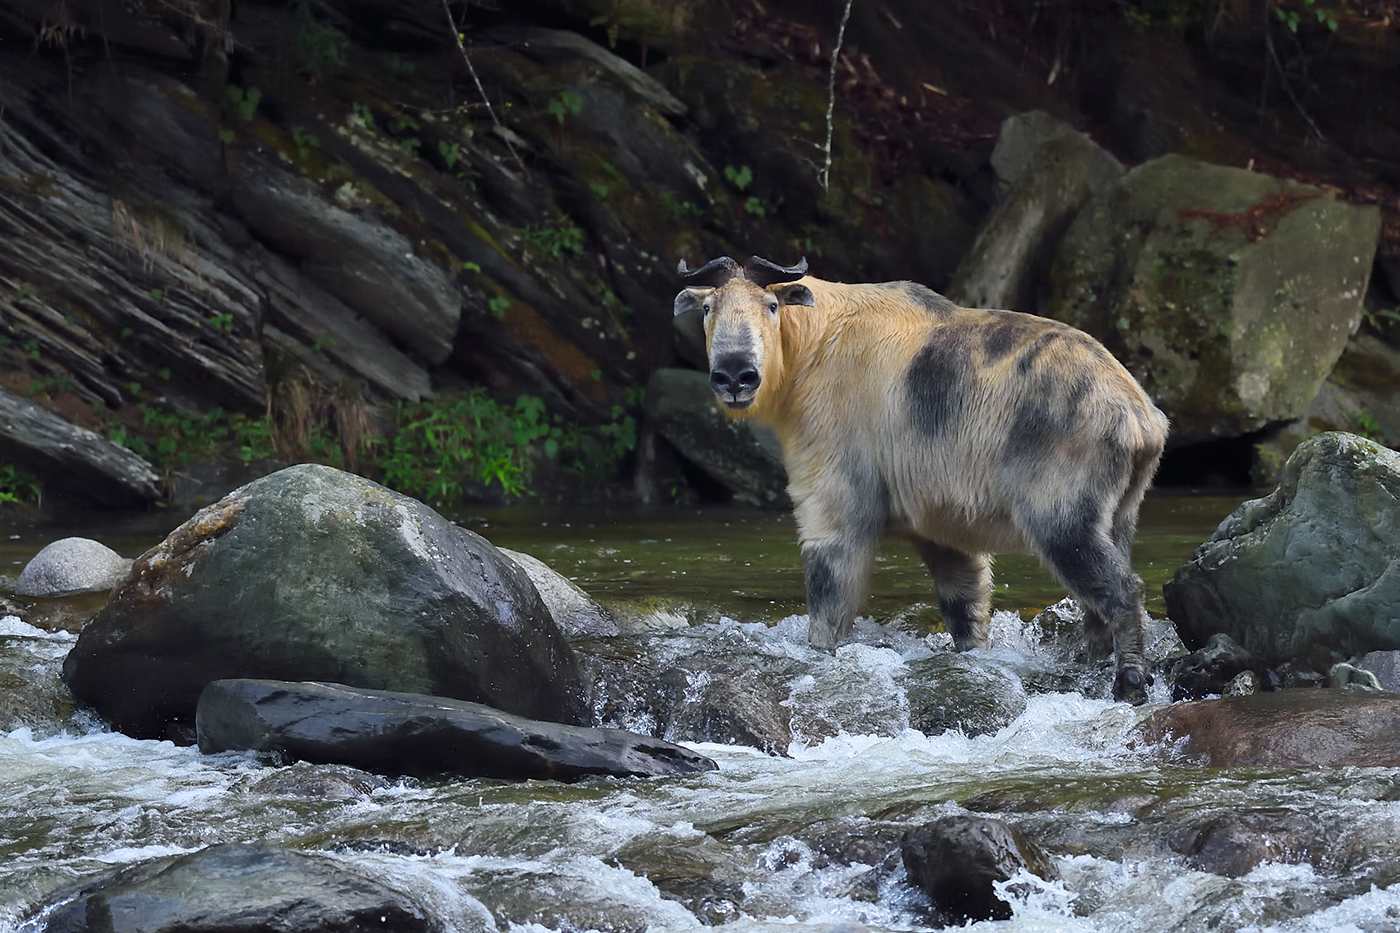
(986, 532)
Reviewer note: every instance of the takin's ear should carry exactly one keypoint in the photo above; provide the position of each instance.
(794, 294)
(690, 299)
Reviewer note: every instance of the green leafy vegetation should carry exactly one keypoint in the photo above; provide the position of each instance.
(740, 178)
(1364, 425)
(323, 48)
(565, 104)
(305, 142)
(19, 486)
(433, 449)
(245, 100)
(560, 239)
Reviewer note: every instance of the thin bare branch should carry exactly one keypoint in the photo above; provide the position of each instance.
(462, 47)
(825, 174)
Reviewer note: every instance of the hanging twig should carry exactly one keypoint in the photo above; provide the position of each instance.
(825, 174)
(1283, 75)
(462, 47)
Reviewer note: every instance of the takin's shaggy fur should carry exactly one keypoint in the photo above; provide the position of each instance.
(967, 431)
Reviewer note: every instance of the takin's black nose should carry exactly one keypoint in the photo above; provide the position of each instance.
(734, 380)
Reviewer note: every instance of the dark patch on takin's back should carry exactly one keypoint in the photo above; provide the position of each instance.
(938, 379)
(1005, 332)
(929, 299)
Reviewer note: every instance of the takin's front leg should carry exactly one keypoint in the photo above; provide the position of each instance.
(964, 584)
(838, 580)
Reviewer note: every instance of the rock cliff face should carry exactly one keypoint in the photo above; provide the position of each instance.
(212, 205)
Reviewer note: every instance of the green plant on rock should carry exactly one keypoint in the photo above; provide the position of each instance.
(1364, 425)
(246, 100)
(323, 48)
(305, 142)
(19, 486)
(740, 178)
(560, 239)
(565, 104)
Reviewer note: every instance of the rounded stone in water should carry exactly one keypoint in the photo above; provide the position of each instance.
(72, 565)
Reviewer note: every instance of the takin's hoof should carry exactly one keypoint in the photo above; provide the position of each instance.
(1130, 686)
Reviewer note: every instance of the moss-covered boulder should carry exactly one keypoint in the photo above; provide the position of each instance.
(1228, 293)
(1308, 574)
(312, 573)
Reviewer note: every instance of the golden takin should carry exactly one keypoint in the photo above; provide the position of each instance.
(968, 431)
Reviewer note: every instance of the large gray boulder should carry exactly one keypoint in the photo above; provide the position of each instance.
(72, 565)
(681, 408)
(1228, 294)
(316, 574)
(406, 733)
(1310, 572)
(244, 887)
(1052, 175)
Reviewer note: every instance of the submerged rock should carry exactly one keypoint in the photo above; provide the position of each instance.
(1235, 843)
(1228, 294)
(72, 565)
(315, 574)
(404, 733)
(955, 692)
(1212, 669)
(323, 782)
(1305, 728)
(237, 886)
(955, 860)
(1309, 573)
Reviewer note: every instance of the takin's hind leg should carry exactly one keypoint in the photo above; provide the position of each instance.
(1099, 575)
(964, 584)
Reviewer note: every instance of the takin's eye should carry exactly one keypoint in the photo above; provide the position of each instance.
(773, 308)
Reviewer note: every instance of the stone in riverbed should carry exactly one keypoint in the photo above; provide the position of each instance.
(1309, 574)
(955, 860)
(1305, 728)
(241, 887)
(312, 573)
(69, 566)
(402, 733)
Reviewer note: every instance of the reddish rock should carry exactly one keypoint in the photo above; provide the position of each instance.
(1288, 728)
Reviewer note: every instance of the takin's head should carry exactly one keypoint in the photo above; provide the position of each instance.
(742, 323)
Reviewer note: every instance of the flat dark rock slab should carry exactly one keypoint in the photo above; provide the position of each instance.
(409, 733)
(1288, 728)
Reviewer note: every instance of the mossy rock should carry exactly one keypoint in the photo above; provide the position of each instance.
(1229, 294)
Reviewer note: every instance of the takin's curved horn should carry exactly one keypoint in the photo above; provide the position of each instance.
(712, 274)
(763, 273)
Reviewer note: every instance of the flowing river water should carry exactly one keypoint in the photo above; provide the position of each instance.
(801, 842)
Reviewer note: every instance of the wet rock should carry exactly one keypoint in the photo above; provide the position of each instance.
(312, 573)
(955, 860)
(1309, 573)
(1243, 684)
(323, 782)
(1285, 728)
(725, 704)
(576, 613)
(72, 565)
(405, 733)
(681, 408)
(73, 460)
(1211, 669)
(1235, 843)
(959, 693)
(1012, 253)
(32, 693)
(1386, 666)
(1021, 145)
(1188, 272)
(238, 886)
